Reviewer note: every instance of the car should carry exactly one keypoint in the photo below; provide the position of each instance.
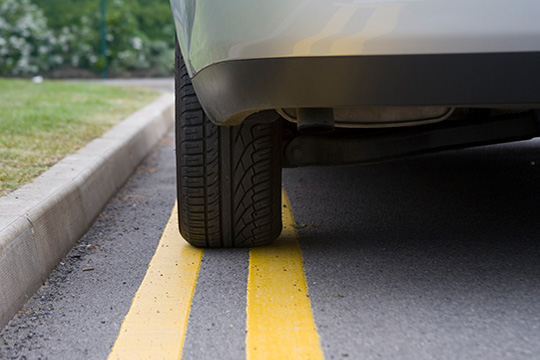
(262, 85)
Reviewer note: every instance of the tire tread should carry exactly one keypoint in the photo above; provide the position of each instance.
(229, 178)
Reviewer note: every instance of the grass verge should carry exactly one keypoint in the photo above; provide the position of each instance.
(42, 123)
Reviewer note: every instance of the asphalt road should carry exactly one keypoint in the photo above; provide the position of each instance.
(434, 257)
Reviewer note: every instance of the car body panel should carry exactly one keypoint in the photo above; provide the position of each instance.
(213, 31)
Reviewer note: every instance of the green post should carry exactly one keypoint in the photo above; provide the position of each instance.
(103, 32)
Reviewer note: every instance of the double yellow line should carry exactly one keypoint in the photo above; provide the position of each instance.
(279, 320)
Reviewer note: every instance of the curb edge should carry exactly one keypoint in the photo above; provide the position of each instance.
(41, 221)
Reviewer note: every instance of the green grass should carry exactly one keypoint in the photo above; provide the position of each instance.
(42, 123)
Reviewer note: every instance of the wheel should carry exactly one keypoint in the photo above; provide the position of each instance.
(228, 178)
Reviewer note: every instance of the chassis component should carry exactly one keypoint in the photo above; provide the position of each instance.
(345, 147)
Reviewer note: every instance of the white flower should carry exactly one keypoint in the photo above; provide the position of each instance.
(137, 43)
(75, 60)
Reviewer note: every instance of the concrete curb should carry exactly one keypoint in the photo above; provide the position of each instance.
(40, 222)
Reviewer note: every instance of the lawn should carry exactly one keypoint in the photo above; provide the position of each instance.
(42, 123)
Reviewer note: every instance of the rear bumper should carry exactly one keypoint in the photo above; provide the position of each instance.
(232, 90)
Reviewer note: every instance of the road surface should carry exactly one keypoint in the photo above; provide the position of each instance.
(434, 257)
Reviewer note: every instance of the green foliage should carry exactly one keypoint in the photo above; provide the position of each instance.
(160, 25)
(139, 35)
(153, 18)
(62, 13)
(25, 40)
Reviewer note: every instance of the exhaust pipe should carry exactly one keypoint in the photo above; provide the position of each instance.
(314, 121)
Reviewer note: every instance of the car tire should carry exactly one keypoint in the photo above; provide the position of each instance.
(228, 178)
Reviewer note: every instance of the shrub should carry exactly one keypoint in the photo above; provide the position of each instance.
(26, 43)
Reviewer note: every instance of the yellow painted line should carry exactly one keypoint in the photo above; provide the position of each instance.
(155, 326)
(279, 320)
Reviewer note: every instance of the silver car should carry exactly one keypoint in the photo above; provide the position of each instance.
(263, 85)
